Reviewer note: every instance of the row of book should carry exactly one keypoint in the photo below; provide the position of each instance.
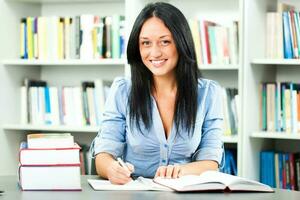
(215, 43)
(230, 99)
(280, 170)
(49, 105)
(230, 162)
(49, 162)
(283, 32)
(80, 37)
(280, 106)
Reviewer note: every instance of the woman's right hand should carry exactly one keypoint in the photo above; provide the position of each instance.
(117, 174)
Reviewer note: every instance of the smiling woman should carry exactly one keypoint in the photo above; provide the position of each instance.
(166, 120)
(157, 48)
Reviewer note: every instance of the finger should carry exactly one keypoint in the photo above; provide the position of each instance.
(181, 173)
(118, 169)
(162, 171)
(169, 171)
(176, 171)
(157, 173)
(116, 176)
(122, 170)
(130, 167)
(119, 180)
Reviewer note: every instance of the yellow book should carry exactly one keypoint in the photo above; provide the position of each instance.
(42, 37)
(95, 41)
(29, 29)
(196, 37)
(67, 26)
(61, 38)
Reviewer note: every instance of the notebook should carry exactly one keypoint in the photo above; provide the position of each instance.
(213, 181)
(140, 183)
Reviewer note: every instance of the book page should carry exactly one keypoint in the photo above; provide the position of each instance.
(139, 184)
(212, 180)
(188, 180)
(226, 179)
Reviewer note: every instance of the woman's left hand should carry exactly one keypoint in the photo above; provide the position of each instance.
(170, 171)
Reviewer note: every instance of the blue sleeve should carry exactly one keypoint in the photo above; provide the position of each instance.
(111, 136)
(211, 145)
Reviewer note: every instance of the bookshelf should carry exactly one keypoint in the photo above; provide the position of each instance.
(13, 70)
(52, 128)
(275, 135)
(69, 62)
(258, 68)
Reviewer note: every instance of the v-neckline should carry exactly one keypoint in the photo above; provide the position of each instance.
(159, 127)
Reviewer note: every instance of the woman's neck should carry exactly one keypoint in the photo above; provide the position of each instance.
(164, 85)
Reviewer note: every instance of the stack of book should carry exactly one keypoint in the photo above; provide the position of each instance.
(280, 169)
(215, 43)
(49, 162)
(72, 37)
(283, 32)
(280, 107)
(64, 105)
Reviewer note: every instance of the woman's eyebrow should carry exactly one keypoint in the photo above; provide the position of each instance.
(163, 36)
(144, 38)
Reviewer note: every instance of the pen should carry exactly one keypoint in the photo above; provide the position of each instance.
(121, 162)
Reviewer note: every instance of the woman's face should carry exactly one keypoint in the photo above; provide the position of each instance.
(157, 48)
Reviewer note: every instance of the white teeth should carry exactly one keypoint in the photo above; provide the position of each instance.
(157, 62)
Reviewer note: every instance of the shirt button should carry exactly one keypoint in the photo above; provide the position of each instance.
(166, 146)
(163, 160)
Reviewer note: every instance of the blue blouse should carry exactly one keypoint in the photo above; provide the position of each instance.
(149, 151)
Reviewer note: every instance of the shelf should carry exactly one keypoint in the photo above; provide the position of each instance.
(59, 128)
(230, 139)
(66, 1)
(72, 62)
(218, 67)
(276, 135)
(85, 129)
(276, 61)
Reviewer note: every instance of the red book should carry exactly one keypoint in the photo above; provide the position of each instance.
(292, 171)
(49, 168)
(49, 156)
(283, 172)
(206, 25)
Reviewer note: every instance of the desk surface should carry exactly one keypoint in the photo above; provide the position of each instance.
(12, 192)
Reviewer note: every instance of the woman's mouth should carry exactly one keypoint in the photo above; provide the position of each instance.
(158, 63)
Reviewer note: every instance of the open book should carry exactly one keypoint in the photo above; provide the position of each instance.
(140, 183)
(213, 180)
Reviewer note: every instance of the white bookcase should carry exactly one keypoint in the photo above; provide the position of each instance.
(258, 69)
(72, 72)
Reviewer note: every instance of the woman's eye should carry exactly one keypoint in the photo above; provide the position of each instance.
(165, 42)
(145, 43)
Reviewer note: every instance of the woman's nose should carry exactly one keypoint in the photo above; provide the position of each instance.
(156, 51)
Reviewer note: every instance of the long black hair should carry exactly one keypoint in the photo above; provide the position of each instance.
(187, 72)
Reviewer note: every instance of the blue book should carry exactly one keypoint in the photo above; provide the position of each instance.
(287, 40)
(287, 171)
(47, 106)
(233, 164)
(272, 169)
(280, 157)
(262, 167)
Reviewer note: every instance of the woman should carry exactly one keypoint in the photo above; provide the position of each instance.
(166, 121)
